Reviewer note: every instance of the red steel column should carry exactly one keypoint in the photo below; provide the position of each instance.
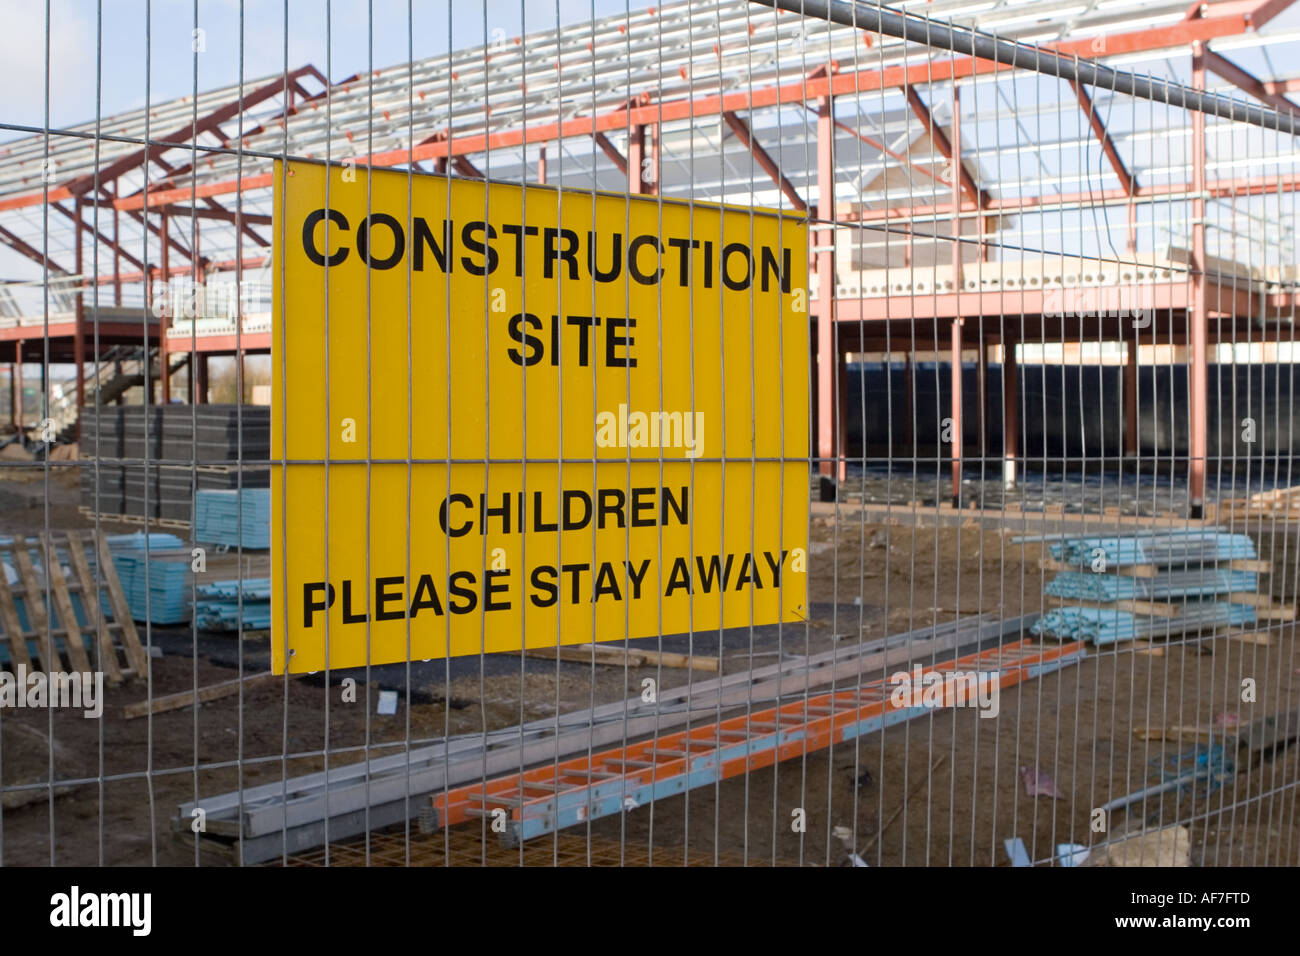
(117, 263)
(1131, 396)
(642, 177)
(199, 369)
(909, 415)
(828, 357)
(1198, 371)
(164, 376)
(79, 342)
(17, 408)
(955, 411)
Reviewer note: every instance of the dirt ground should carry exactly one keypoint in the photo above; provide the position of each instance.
(942, 789)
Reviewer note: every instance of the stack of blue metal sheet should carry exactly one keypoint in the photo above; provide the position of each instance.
(233, 517)
(156, 582)
(225, 605)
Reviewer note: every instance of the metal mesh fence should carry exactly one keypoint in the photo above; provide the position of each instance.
(712, 433)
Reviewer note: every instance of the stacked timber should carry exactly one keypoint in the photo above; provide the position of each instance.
(1277, 504)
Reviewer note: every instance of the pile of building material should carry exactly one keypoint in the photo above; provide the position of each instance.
(1279, 504)
(155, 573)
(62, 607)
(1194, 583)
(237, 517)
(1144, 585)
(149, 462)
(1191, 548)
(261, 822)
(226, 605)
(1109, 625)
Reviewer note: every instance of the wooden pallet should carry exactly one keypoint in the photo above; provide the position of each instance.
(1254, 565)
(1280, 504)
(110, 637)
(114, 518)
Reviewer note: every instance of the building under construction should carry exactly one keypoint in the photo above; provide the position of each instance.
(1051, 298)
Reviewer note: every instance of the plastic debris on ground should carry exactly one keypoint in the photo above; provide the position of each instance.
(1016, 851)
(1072, 854)
(1038, 783)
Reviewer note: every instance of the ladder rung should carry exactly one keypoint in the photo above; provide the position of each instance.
(496, 799)
(733, 734)
(656, 752)
(596, 774)
(638, 764)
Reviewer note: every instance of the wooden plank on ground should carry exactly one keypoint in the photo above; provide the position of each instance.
(1251, 637)
(187, 698)
(135, 653)
(73, 646)
(90, 601)
(1176, 732)
(1254, 565)
(617, 656)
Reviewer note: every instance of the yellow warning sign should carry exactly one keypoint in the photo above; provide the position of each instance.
(513, 416)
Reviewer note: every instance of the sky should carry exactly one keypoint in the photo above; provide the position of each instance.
(124, 29)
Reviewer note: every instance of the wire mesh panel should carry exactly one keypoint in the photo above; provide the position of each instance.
(713, 433)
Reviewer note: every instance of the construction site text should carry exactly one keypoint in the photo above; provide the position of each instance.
(483, 248)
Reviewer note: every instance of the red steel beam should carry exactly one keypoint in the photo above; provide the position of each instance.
(1247, 82)
(17, 244)
(466, 168)
(99, 236)
(221, 215)
(1264, 12)
(185, 133)
(610, 150)
(1103, 136)
(1216, 188)
(803, 90)
(764, 159)
(885, 149)
(175, 174)
(940, 140)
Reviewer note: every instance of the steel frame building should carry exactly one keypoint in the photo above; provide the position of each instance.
(957, 204)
